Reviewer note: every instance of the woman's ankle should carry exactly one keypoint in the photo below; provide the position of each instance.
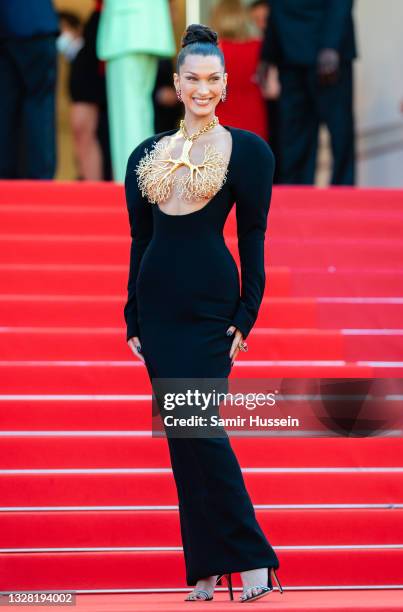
(256, 576)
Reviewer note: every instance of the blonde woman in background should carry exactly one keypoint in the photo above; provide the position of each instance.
(244, 105)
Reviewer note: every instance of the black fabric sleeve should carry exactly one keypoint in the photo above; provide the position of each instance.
(336, 23)
(252, 189)
(141, 230)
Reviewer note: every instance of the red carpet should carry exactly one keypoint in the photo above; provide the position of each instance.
(297, 601)
(87, 495)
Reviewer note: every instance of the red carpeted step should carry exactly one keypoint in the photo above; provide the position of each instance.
(107, 311)
(111, 413)
(339, 253)
(106, 250)
(73, 193)
(103, 344)
(62, 310)
(291, 199)
(379, 253)
(348, 344)
(63, 219)
(331, 312)
(282, 312)
(287, 198)
(369, 313)
(330, 252)
(75, 414)
(147, 451)
(130, 376)
(98, 219)
(110, 282)
(355, 283)
(91, 250)
(98, 344)
(87, 281)
(147, 528)
(23, 248)
(152, 488)
(367, 600)
(128, 570)
(348, 223)
(388, 344)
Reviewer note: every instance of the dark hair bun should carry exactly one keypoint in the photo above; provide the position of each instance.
(197, 32)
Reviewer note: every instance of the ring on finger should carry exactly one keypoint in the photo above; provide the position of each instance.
(243, 346)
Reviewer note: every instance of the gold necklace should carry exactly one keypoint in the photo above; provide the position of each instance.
(205, 128)
(156, 170)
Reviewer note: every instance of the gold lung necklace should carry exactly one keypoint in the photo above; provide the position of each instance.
(156, 170)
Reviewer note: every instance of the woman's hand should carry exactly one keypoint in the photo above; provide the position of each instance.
(135, 345)
(238, 337)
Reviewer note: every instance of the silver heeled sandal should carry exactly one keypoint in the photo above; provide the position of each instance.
(266, 589)
(205, 595)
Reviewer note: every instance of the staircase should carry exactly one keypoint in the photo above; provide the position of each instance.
(87, 497)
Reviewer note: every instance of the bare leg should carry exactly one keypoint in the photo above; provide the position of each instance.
(84, 122)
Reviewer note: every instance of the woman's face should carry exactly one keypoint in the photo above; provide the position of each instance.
(201, 81)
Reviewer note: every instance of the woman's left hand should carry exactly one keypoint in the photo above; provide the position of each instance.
(238, 337)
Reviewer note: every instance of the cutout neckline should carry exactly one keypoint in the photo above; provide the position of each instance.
(195, 212)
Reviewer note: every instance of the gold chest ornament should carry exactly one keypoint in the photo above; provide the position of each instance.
(156, 171)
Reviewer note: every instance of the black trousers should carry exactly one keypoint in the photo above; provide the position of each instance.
(27, 108)
(303, 106)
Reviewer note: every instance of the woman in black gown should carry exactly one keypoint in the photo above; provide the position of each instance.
(186, 316)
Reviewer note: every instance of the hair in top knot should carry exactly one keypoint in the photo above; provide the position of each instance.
(197, 32)
(199, 39)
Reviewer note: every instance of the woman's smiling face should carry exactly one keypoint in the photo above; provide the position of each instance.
(201, 81)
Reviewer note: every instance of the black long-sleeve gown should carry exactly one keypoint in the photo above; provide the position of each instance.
(183, 294)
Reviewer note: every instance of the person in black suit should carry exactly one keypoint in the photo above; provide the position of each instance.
(28, 30)
(313, 44)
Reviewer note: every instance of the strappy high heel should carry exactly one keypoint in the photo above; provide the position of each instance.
(266, 589)
(229, 583)
(205, 595)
